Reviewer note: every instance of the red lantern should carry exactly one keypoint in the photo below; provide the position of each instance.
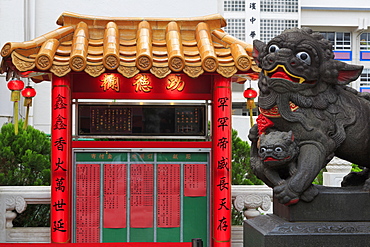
(28, 93)
(16, 86)
(250, 93)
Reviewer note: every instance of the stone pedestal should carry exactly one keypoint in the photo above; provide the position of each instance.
(336, 217)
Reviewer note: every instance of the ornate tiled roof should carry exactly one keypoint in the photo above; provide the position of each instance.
(129, 45)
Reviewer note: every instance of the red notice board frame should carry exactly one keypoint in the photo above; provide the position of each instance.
(144, 146)
(141, 144)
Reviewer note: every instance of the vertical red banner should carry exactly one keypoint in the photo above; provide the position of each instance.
(115, 196)
(142, 195)
(168, 194)
(87, 203)
(195, 180)
(61, 160)
(221, 163)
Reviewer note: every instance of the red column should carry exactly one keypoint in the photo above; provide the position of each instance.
(221, 163)
(61, 190)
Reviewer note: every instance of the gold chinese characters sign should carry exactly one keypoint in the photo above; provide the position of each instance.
(142, 83)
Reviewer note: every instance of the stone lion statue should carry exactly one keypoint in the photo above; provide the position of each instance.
(304, 90)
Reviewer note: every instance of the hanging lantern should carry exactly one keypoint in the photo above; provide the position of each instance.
(15, 86)
(250, 94)
(28, 93)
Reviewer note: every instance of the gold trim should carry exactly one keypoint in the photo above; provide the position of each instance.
(22, 63)
(144, 62)
(78, 63)
(192, 71)
(95, 70)
(6, 50)
(176, 64)
(43, 62)
(274, 111)
(67, 86)
(227, 71)
(128, 72)
(244, 63)
(210, 64)
(60, 70)
(111, 62)
(160, 72)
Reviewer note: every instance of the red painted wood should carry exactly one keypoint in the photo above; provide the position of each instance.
(61, 161)
(221, 163)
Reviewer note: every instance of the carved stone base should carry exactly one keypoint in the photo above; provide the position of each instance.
(270, 230)
(336, 217)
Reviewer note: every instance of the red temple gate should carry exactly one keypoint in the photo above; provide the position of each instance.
(139, 164)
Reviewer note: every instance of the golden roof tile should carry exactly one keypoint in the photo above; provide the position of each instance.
(96, 44)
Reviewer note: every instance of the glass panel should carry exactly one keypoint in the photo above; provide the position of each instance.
(330, 37)
(347, 36)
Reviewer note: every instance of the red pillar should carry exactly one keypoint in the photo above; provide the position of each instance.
(61, 190)
(221, 163)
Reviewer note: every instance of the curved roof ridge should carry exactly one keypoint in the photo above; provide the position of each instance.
(126, 45)
(72, 19)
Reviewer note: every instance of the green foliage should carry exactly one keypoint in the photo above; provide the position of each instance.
(356, 168)
(24, 158)
(319, 178)
(25, 161)
(241, 172)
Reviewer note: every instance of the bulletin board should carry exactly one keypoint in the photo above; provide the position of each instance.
(146, 196)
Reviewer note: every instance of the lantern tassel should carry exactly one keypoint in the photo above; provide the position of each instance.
(27, 104)
(15, 115)
(25, 125)
(251, 105)
(251, 116)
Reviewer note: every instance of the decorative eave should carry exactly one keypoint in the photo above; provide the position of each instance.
(130, 45)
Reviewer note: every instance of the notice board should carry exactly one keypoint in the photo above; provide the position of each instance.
(141, 197)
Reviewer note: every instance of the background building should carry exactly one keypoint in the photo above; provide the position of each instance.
(347, 25)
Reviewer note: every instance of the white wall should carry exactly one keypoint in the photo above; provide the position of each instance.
(242, 125)
(338, 13)
(11, 28)
(23, 20)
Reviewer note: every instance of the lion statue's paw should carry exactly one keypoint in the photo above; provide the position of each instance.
(309, 194)
(285, 195)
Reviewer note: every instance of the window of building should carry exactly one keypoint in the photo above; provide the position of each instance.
(236, 28)
(234, 5)
(270, 28)
(365, 41)
(365, 76)
(279, 5)
(340, 40)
